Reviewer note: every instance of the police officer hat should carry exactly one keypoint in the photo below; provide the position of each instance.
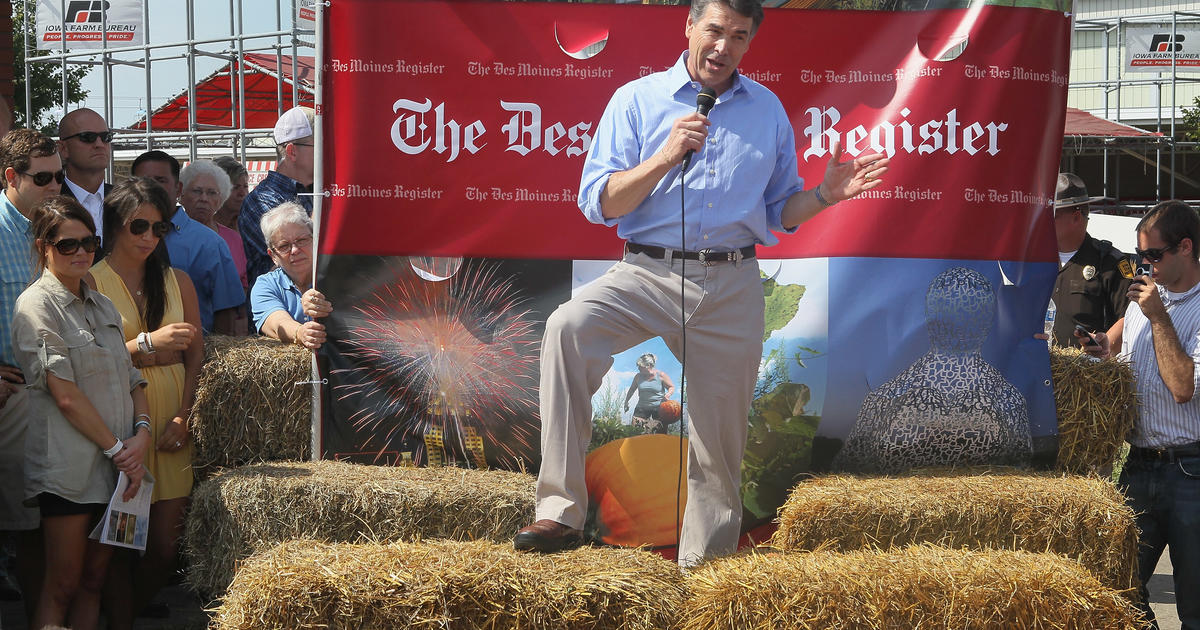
(1071, 192)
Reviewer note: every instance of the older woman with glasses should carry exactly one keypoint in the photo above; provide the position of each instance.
(87, 411)
(160, 317)
(204, 187)
(283, 303)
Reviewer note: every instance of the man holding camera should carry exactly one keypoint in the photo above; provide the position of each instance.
(1161, 338)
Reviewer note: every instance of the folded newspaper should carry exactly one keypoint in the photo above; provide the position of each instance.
(126, 523)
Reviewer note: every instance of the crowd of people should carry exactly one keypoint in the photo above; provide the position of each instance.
(107, 291)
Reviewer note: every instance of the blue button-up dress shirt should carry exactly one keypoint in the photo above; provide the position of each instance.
(738, 183)
(205, 257)
(16, 270)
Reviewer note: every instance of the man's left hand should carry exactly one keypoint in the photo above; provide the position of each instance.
(844, 180)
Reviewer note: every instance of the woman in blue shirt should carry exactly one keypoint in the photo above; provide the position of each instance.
(653, 387)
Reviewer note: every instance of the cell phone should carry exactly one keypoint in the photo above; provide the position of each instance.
(1085, 333)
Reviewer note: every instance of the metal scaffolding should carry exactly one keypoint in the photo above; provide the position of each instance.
(1114, 86)
(284, 43)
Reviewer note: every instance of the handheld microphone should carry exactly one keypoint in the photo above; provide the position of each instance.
(704, 103)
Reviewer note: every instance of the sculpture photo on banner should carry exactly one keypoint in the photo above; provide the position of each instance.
(898, 325)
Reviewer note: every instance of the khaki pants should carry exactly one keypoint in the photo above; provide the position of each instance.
(636, 300)
(13, 420)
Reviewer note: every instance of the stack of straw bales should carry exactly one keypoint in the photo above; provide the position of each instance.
(1096, 405)
(920, 587)
(1083, 518)
(248, 407)
(240, 511)
(450, 584)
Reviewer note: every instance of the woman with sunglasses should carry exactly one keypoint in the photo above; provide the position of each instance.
(87, 411)
(160, 317)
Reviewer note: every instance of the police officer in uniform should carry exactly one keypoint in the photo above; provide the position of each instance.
(1093, 276)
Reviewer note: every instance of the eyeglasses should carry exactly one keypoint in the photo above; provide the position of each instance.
(68, 246)
(158, 228)
(285, 248)
(204, 192)
(42, 178)
(88, 137)
(1155, 254)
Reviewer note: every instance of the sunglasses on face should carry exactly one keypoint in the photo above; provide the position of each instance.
(45, 177)
(68, 246)
(88, 137)
(1155, 254)
(158, 228)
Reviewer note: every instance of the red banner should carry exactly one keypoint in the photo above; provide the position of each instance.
(468, 137)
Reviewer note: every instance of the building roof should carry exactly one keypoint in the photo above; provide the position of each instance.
(265, 77)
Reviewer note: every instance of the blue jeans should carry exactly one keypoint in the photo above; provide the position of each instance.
(1166, 497)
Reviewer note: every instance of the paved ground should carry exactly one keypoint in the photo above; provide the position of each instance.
(1162, 595)
(187, 613)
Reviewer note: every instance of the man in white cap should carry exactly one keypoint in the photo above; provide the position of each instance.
(1093, 276)
(290, 181)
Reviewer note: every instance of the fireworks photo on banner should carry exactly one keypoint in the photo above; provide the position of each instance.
(437, 363)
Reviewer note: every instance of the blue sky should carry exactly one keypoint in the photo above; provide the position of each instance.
(168, 24)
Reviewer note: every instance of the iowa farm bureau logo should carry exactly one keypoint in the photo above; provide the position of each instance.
(88, 21)
(86, 11)
(1162, 48)
(1165, 43)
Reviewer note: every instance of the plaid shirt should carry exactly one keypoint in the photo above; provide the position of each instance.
(16, 270)
(270, 192)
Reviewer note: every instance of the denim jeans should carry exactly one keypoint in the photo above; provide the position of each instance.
(1166, 497)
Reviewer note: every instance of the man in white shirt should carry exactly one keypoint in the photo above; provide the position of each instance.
(85, 144)
(1161, 338)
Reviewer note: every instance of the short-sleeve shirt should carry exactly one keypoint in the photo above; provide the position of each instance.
(16, 270)
(273, 190)
(205, 257)
(275, 291)
(1091, 290)
(77, 339)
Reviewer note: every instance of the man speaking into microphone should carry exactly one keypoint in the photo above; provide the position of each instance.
(689, 232)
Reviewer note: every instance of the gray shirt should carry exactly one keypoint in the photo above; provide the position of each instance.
(77, 340)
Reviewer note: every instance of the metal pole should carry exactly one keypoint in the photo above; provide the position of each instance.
(1174, 102)
(191, 71)
(318, 198)
(62, 7)
(241, 78)
(146, 60)
(279, 61)
(29, 122)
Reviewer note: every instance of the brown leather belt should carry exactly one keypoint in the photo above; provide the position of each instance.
(160, 358)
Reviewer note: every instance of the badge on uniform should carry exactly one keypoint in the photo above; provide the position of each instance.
(1125, 268)
(1089, 272)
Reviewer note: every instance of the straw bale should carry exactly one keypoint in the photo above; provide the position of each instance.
(240, 511)
(450, 584)
(1083, 518)
(920, 587)
(248, 408)
(1096, 404)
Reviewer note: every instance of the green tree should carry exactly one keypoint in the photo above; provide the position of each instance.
(45, 79)
(1189, 127)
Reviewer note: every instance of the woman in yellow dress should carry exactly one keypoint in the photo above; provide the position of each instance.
(161, 319)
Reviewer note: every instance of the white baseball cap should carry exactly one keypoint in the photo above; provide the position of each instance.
(294, 124)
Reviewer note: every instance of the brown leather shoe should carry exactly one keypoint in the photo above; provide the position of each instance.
(547, 536)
